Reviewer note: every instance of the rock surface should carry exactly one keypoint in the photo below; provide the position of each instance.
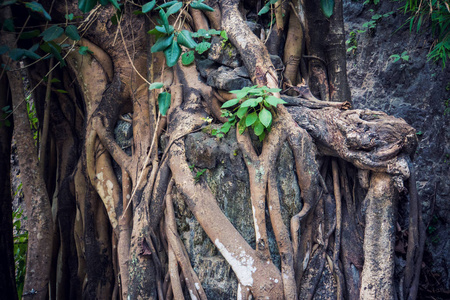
(417, 91)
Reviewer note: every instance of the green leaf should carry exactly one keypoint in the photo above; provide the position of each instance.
(242, 92)
(86, 5)
(156, 85)
(396, 57)
(202, 47)
(167, 4)
(84, 50)
(115, 4)
(54, 49)
(62, 91)
(162, 43)
(258, 128)
(172, 54)
(273, 90)
(201, 6)
(162, 29)
(327, 7)
(187, 58)
(148, 6)
(72, 32)
(31, 55)
(224, 35)
(8, 2)
(241, 126)
(225, 127)
(37, 7)
(116, 18)
(241, 112)
(264, 10)
(3, 49)
(157, 33)
(174, 8)
(265, 117)
(17, 54)
(164, 102)
(29, 34)
(262, 136)
(69, 17)
(104, 2)
(200, 33)
(274, 101)
(184, 38)
(55, 80)
(214, 32)
(8, 25)
(251, 118)
(52, 33)
(252, 102)
(164, 20)
(230, 103)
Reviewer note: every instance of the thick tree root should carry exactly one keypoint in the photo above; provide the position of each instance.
(379, 240)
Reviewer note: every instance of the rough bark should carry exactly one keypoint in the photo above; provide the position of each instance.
(378, 271)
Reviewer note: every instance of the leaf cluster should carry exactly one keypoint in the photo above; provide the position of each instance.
(254, 107)
(47, 37)
(169, 41)
(436, 12)
(404, 56)
(370, 25)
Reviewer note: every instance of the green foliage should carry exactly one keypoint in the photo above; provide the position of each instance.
(37, 7)
(266, 7)
(86, 5)
(32, 117)
(352, 42)
(202, 47)
(187, 58)
(5, 113)
(29, 34)
(156, 85)
(148, 6)
(404, 56)
(198, 174)
(327, 7)
(374, 20)
(20, 250)
(375, 2)
(164, 102)
(169, 40)
(201, 6)
(256, 110)
(72, 32)
(52, 33)
(84, 50)
(438, 13)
